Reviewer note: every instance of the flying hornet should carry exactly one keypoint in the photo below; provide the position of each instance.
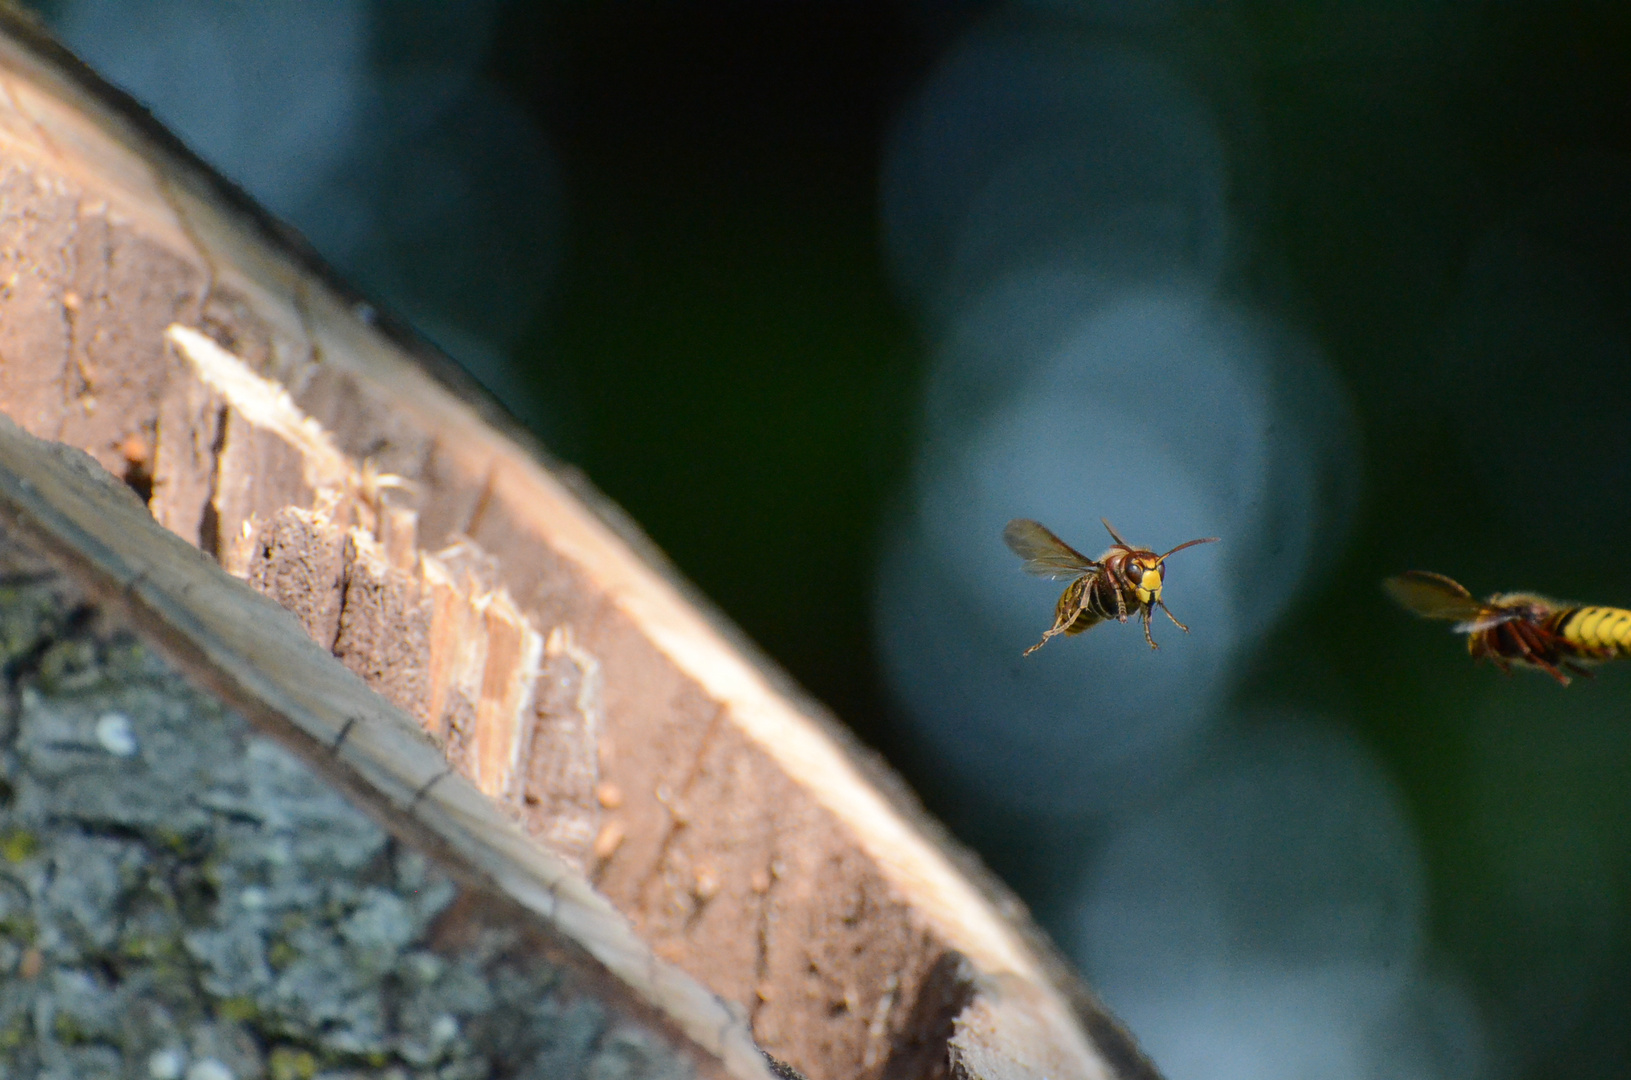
(1519, 628)
(1124, 581)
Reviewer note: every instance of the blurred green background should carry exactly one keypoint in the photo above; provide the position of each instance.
(722, 349)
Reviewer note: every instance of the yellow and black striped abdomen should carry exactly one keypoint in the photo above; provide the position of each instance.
(1601, 633)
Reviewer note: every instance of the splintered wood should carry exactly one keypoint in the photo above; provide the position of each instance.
(241, 471)
(247, 742)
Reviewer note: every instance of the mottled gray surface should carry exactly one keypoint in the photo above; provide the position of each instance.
(181, 899)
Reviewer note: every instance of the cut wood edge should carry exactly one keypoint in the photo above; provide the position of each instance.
(174, 197)
(258, 659)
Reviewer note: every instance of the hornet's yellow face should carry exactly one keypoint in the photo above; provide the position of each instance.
(1145, 579)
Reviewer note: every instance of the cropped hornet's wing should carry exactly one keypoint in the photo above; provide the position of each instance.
(1435, 596)
(1045, 554)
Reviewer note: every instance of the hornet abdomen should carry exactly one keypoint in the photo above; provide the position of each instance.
(1599, 633)
(1075, 611)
